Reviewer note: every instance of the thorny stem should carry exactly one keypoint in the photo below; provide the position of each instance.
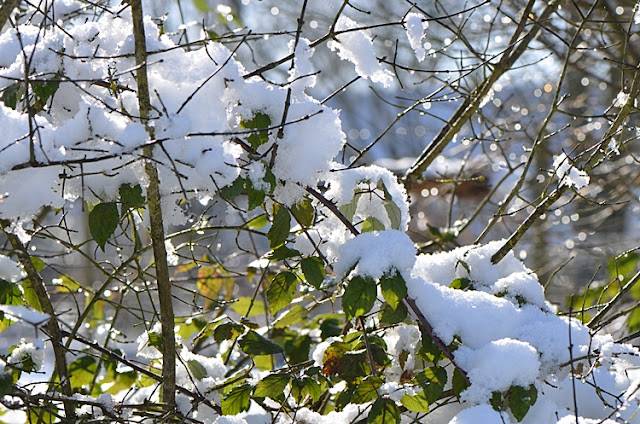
(52, 326)
(410, 302)
(155, 217)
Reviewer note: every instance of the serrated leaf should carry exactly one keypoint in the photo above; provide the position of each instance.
(272, 386)
(384, 411)
(256, 197)
(293, 316)
(253, 343)
(367, 390)
(281, 291)
(237, 400)
(297, 348)
(372, 224)
(458, 382)
(303, 212)
(280, 227)
(312, 388)
(260, 121)
(103, 221)
(10, 96)
(283, 252)
(227, 331)
(313, 270)
(415, 403)
(131, 197)
(198, 371)
(388, 315)
(359, 296)
(235, 189)
(521, 399)
(44, 89)
(432, 380)
(349, 210)
(393, 288)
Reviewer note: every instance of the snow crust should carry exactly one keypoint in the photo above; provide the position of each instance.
(416, 25)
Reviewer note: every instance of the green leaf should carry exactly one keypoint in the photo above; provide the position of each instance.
(458, 383)
(283, 252)
(349, 210)
(103, 221)
(227, 331)
(82, 371)
(496, 401)
(303, 212)
(521, 399)
(10, 96)
(45, 415)
(297, 348)
(293, 316)
(259, 221)
(367, 390)
(237, 400)
(260, 121)
(460, 283)
(256, 197)
(313, 270)
(432, 380)
(281, 291)
(30, 295)
(393, 288)
(372, 224)
(359, 296)
(131, 197)
(384, 411)
(280, 228)
(253, 343)
(391, 316)
(38, 263)
(330, 327)
(233, 190)
(415, 403)
(272, 386)
(44, 89)
(241, 306)
(198, 371)
(6, 384)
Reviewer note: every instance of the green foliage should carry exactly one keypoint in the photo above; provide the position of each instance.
(237, 400)
(82, 371)
(272, 385)
(359, 296)
(260, 121)
(253, 343)
(103, 221)
(384, 411)
(281, 291)
(131, 197)
(313, 270)
(280, 227)
(394, 288)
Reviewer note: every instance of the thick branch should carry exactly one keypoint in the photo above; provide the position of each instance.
(155, 217)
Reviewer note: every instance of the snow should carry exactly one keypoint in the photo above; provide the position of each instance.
(10, 270)
(509, 339)
(25, 314)
(393, 250)
(568, 174)
(480, 414)
(357, 48)
(26, 351)
(416, 24)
